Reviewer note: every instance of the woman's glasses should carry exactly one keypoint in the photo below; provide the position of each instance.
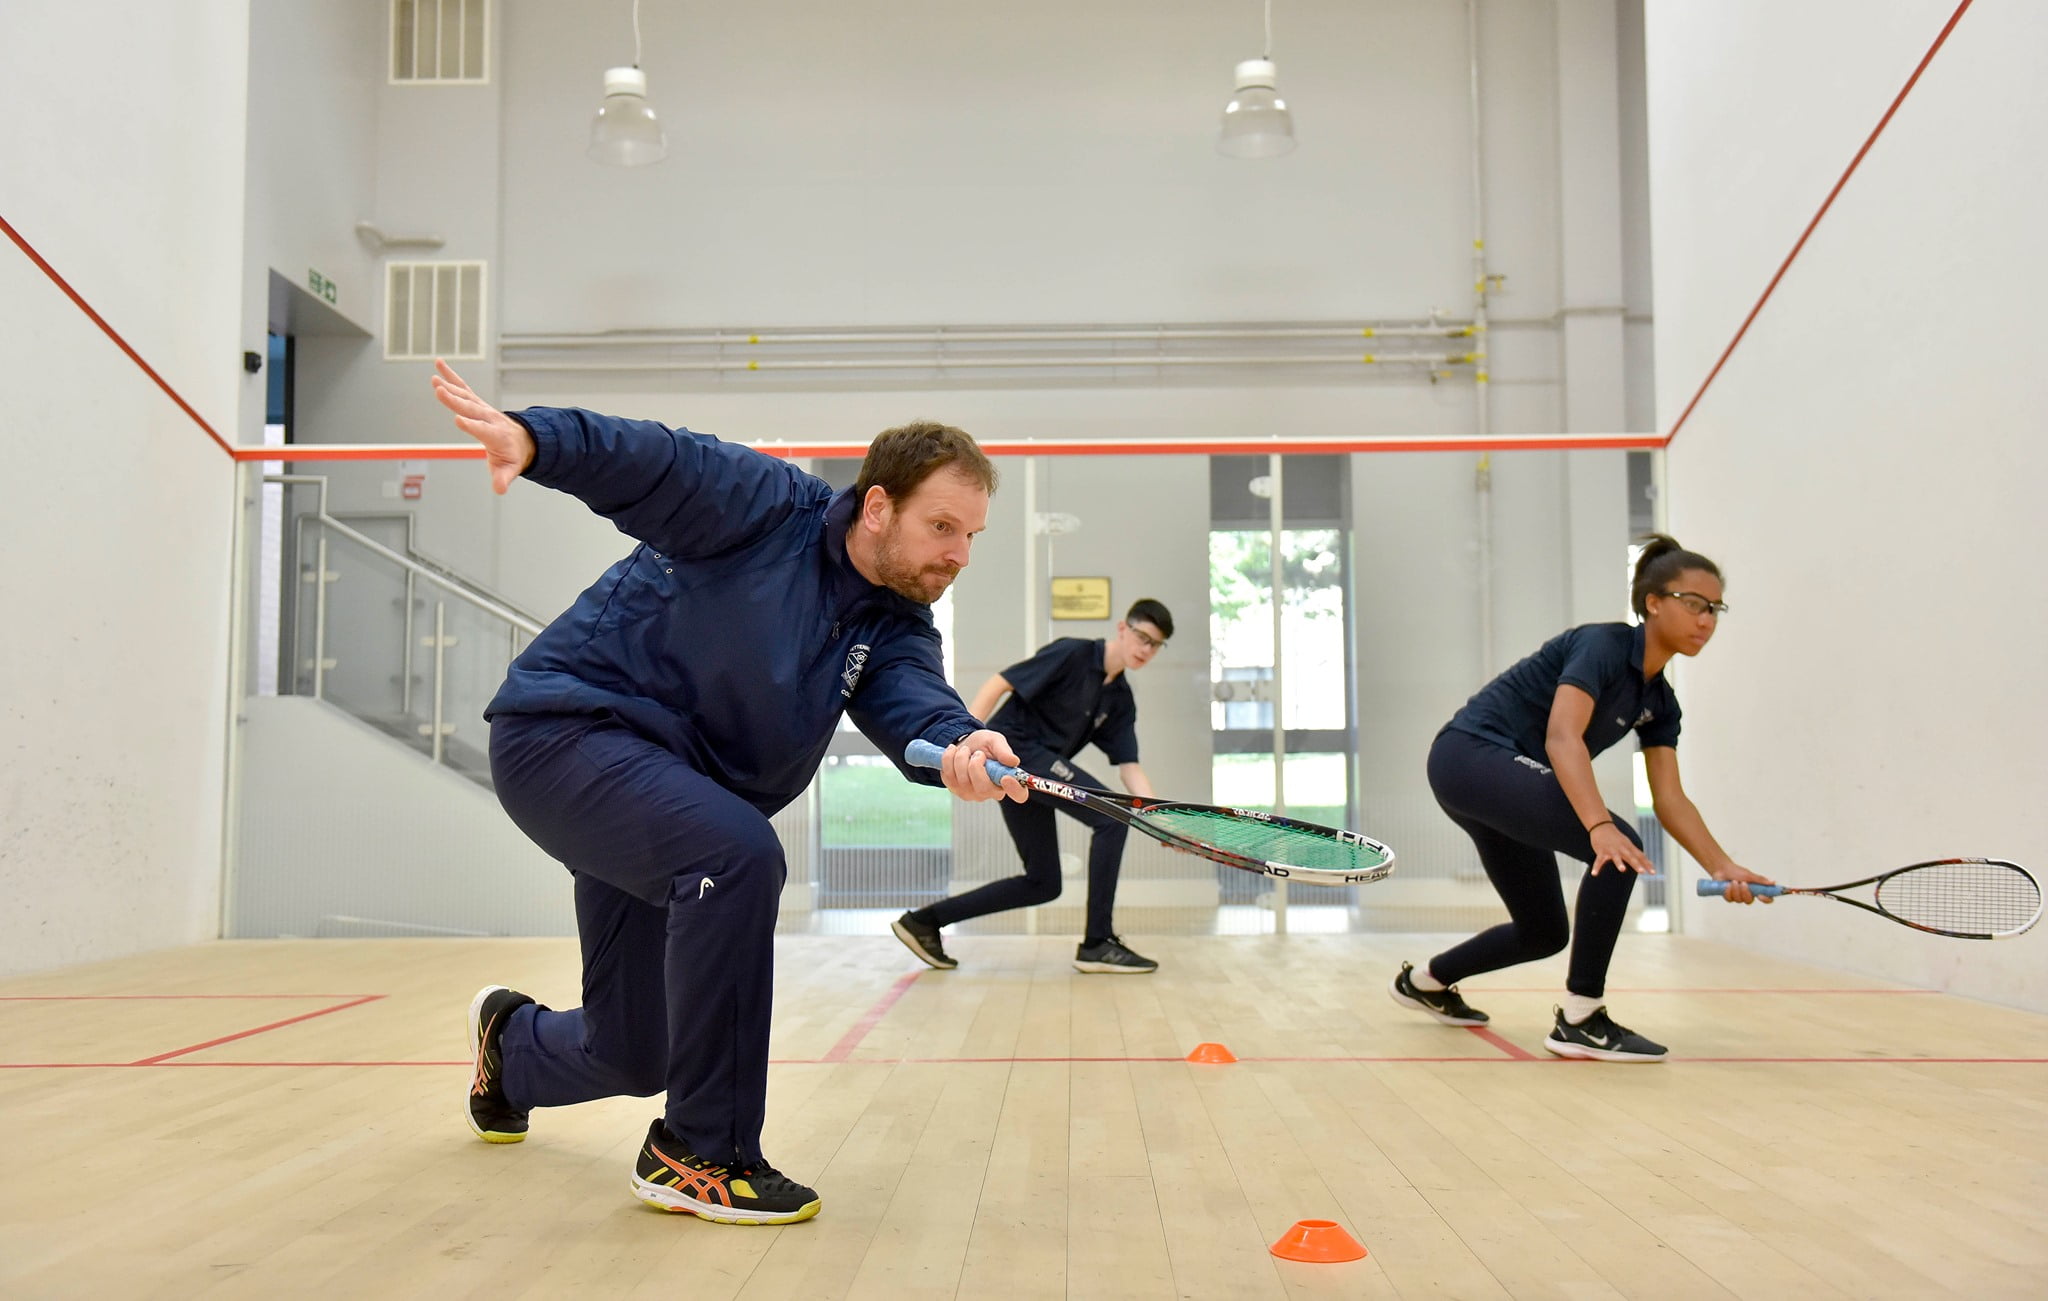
(1696, 603)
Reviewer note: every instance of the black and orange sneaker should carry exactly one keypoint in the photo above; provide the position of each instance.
(668, 1176)
(493, 1119)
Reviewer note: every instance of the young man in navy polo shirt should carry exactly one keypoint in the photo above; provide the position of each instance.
(1070, 693)
(645, 736)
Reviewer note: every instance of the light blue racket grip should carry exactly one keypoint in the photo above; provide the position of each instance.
(1712, 888)
(923, 754)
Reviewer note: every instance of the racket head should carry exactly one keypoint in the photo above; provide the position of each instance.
(1965, 898)
(1269, 843)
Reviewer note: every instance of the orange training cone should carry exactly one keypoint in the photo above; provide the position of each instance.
(1214, 1054)
(1319, 1242)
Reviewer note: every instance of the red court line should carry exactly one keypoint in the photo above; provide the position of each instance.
(111, 333)
(1723, 989)
(162, 1058)
(851, 1039)
(1827, 203)
(1509, 1047)
(95, 998)
(1521, 1058)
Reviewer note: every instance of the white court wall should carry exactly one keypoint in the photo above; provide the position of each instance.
(1867, 468)
(115, 511)
(904, 164)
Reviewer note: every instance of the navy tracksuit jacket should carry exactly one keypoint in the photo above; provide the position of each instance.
(646, 735)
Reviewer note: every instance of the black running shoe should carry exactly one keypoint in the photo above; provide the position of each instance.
(1598, 1038)
(1444, 1004)
(668, 1176)
(492, 1118)
(1112, 958)
(923, 940)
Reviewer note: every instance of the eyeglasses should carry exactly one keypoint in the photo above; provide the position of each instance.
(1147, 639)
(1696, 603)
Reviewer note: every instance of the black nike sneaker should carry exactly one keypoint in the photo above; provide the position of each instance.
(491, 1117)
(1445, 1004)
(1112, 957)
(1598, 1038)
(923, 939)
(667, 1175)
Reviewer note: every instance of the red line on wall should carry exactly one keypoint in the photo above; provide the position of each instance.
(113, 334)
(1827, 203)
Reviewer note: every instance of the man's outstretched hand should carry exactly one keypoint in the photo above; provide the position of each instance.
(508, 448)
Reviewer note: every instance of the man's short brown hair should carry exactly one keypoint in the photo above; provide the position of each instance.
(902, 458)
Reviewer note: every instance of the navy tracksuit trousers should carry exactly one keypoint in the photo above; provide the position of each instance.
(1032, 828)
(678, 881)
(1520, 820)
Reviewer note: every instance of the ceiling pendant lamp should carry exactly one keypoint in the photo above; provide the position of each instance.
(1256, 121)
(625, 132)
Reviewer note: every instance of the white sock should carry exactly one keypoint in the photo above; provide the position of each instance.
(1577, 1007)
(1421, 979)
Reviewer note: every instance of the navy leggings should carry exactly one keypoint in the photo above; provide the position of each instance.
(1036, 834)
(678, 881)
(1519, 818)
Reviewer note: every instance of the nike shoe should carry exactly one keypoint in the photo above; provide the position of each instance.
(493, 1119)
(667, 1175)
(923, 939)
(1598, 1038)
(1445, 1004)
(1111, 957)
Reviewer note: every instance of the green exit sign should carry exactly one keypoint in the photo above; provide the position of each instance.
(323, 288)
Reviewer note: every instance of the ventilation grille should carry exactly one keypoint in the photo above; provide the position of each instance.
(440, 41)
(433, 309)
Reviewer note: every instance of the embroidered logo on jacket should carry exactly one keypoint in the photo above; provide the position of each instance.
(856, 660)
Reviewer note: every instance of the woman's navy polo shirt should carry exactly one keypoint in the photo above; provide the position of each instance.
(1059, 703)
(1604, 660)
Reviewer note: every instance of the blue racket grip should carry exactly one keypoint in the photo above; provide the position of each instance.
(923, 754)
(1712, 888)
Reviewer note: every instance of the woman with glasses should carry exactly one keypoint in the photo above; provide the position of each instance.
(1514, 769)
(1070, 693)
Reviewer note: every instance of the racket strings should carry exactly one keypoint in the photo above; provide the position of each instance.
(1970, 898)
(1268, 841)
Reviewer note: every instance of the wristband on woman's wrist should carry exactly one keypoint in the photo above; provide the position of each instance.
(1604, 822)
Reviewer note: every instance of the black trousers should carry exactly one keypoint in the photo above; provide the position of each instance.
(1036, 835)
(1519, 818)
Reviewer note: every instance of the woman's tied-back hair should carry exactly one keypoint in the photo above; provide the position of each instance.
(1660, 564)
(901, 459)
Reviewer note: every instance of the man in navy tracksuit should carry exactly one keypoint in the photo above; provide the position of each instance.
(644, 738)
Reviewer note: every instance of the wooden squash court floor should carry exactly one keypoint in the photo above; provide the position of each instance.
(266, 1118)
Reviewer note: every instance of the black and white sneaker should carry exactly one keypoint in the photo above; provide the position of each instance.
(1598, 1038)
(1445, 1004)
(923, 939)
(491, 1117)
(669, 1176)
(1111, 957)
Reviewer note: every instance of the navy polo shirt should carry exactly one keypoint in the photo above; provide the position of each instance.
(1604, 660)
(1059, 703)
